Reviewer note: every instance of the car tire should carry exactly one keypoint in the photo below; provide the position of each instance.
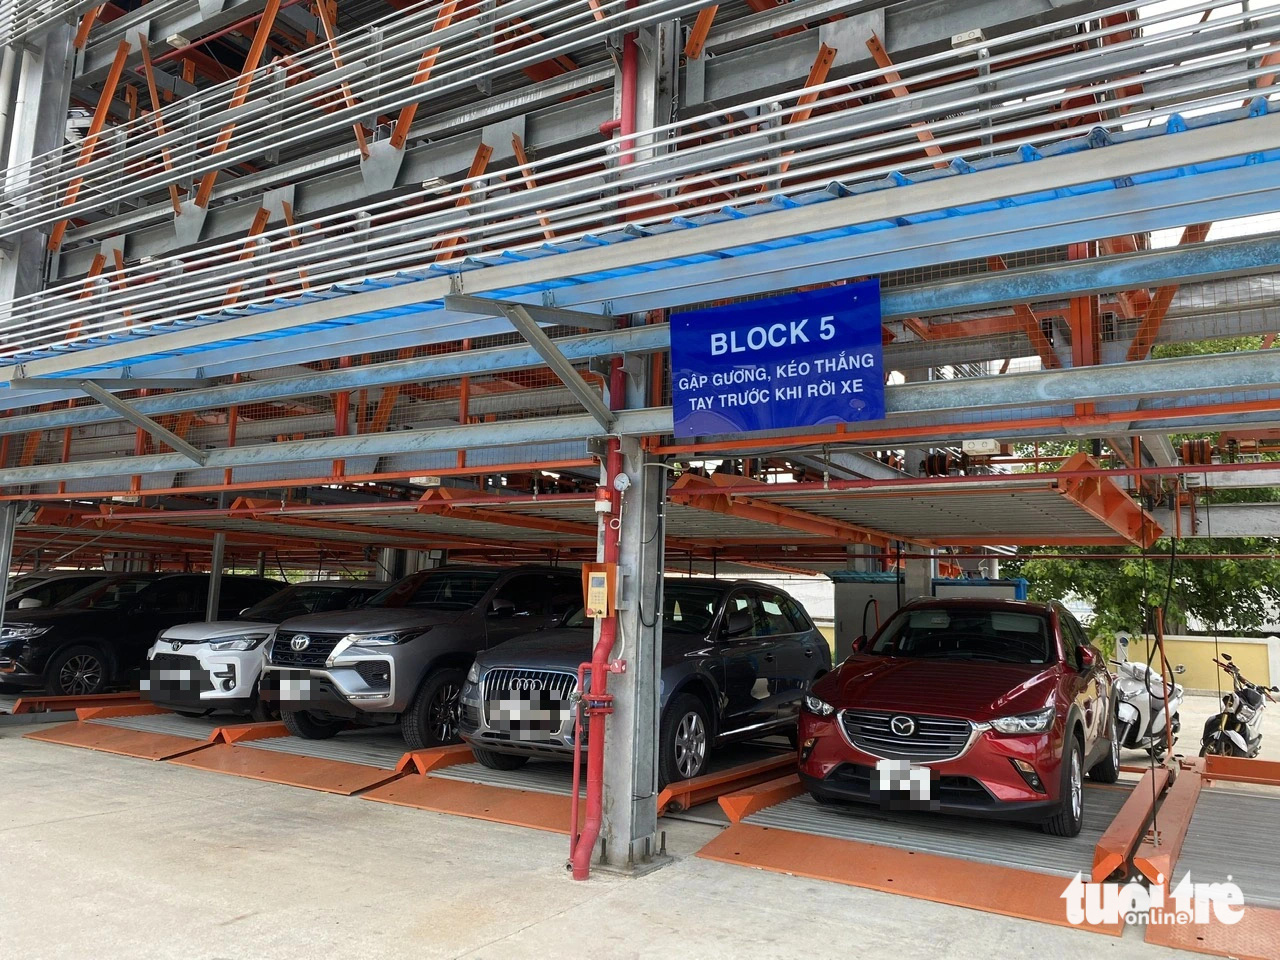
(305, 724)
(1069, 818)
(685, 740)
(432, 717)
(79, 671)
(498, 761)
(1107, 770)
(260, 711)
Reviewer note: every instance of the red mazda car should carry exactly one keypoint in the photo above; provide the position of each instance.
(979, 707)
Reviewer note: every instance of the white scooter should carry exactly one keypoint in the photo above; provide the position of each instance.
(1141, 696)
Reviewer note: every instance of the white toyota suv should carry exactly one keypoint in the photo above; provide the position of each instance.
(197, 668)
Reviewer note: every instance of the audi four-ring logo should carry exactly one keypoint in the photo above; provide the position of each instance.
(526, 683)
(300, 642)
(902, 726)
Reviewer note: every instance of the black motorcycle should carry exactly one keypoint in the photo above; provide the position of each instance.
(1237, 730)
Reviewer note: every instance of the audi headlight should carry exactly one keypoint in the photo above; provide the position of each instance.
(377, 639)
(1037, 722)
(247, 641)
(20, 631)
(473, 675)
(820, 707)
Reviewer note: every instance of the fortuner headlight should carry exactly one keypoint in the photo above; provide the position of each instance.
(246, 641)
(1037, 722)
(21, 631)
(473, 675)
(378, 639)
(813, 705)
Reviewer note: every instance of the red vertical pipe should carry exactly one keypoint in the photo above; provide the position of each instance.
(586, 842)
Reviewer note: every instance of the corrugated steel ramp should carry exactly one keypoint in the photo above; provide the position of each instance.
(985, 841)
(542, 777)
(381, 748)
(196, 728)
(1234, 832)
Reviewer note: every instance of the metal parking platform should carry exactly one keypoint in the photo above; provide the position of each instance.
(381, 748)
(993, 866)
(137, 730)
(170, 724)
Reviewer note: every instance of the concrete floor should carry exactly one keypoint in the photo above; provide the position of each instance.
(109, 857)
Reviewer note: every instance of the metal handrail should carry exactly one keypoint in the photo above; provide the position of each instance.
(36, 191)
(393, 235)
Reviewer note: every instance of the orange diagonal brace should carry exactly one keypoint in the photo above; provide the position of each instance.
(804, 105)
(478, 165)
(95, 268)
(1149, 329)
(1108, 502)
(239, 96)
(1030, 325)
(899, 89)
(86, 25)
(90, 143)
(698, 35)
(522, 161)
(331, 40)
(294, 242)
(400, 133)
(149, 72)
(259, 224)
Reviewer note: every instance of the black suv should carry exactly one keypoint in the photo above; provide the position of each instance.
(404, 655)
(737, 656)
(94, 639)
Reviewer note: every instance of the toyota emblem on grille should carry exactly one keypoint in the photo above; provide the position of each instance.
(526, 683)
(177, 644)
(902, 726)
(300, 642)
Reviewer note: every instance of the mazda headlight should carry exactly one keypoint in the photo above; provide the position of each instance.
(473, 675)
(247, 641)
(22, 631)
(377, 639)
(820, 707)
(1037, 722)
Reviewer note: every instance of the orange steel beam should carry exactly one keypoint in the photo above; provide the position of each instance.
(386, 404)
(86, 25)
(1111, 853)
(444, 17)
(1106, 500)
(439, 501)
(294, 242)
(684, 794)
(479, 163)
(698, 35)
(331, 41)
(1242, 770)
(239, 96)
(522, 161)
(899, 89)
(1158, 853)
(90, 143)
(1030, 325)
(149, 72)
(95, 268)
(259, 224)
(1149, 329)
(804, 105)
(762, 511)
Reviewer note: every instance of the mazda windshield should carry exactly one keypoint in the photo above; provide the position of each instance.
(966, 633)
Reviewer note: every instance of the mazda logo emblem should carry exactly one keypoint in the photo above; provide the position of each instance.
(177, 644)
(902, 726)
(300, 642)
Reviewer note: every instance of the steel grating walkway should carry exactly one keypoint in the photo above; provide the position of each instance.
(1233, 833)
(538, 776)
(380, 748)
(1015, 845)
(197, 728)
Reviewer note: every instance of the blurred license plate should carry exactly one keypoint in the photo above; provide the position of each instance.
(902, 785)
(295, 685)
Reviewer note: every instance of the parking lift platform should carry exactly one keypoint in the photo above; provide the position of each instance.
(990, 865)
(133, 730)
(1231, 836)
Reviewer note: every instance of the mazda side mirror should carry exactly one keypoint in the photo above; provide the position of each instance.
(29, 603)
(859, 644)
(1087, 658)
(502, 609)
(739, 624)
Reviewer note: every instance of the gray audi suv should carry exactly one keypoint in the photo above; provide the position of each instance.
(737, 656)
